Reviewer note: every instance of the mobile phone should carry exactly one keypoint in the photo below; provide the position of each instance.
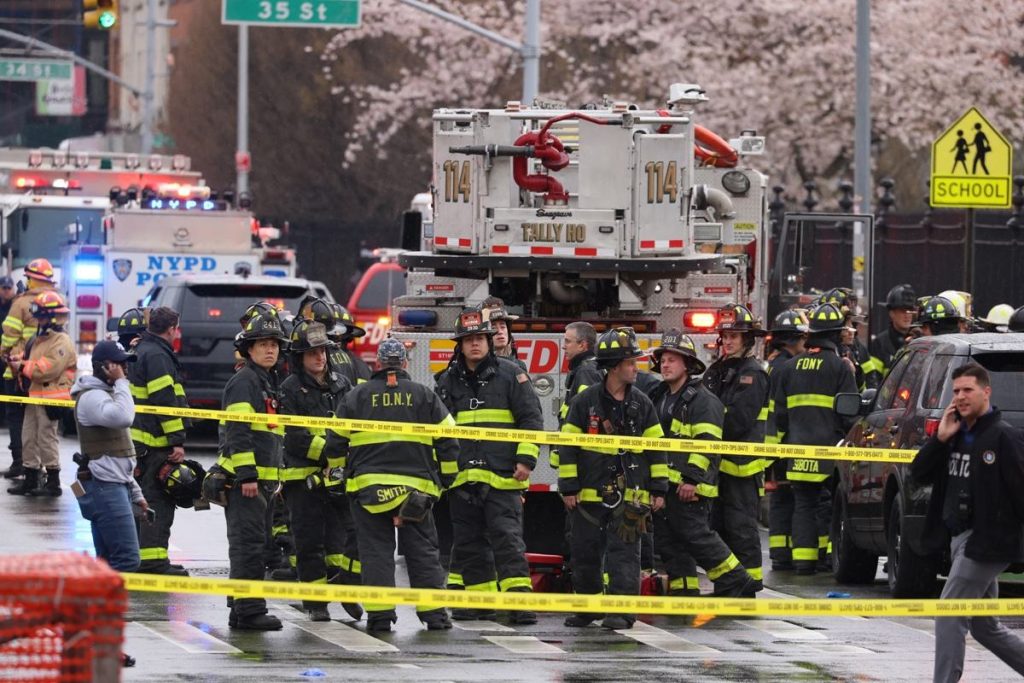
(150, 515)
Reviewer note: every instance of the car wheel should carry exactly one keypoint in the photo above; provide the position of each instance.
(850, 564)
(910, 575)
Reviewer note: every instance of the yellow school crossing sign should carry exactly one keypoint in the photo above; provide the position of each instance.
(971, 165)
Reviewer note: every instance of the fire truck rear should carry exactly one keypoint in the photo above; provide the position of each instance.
(600, 215)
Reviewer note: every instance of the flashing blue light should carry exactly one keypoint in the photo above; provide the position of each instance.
(209, 205)
(89, 272)
(417, 318)
(274, 272)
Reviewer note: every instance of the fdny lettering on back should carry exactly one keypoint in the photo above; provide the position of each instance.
(805, 363)
(388, 399)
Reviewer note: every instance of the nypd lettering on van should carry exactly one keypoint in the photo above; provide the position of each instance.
(146, 270)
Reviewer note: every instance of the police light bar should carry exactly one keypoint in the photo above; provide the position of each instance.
(89, 272)
(179, 191)
(160, 204)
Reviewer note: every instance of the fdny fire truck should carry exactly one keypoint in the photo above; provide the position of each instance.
(613, 214)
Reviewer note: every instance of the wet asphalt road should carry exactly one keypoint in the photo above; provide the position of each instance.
(186, 637)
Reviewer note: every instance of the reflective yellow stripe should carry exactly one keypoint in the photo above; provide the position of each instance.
(707, 491)
(806, 476)
(822, 542)
(386, 505)
(152, 554)
(497, 415)
(659, 471)
(297, 473)
(148, 439)
(454, 579)
(241, 407)
(779, 541)
(567, 471)
(723, 567)
(264, 473)
(485, 586)
(159, 383)
(554, 459)
(756, 573)
(699, 428)
(336, 461)
(179, 390)
(747, 470)
(653, 432)
(629, 495)
(279, 529)
(677, 584)
(515, 582)
(369, 439)
(805, 554)
(762, 415)
(138, 392)
(449, 467)
(699, 461)
(378, 479)
(809, 401)
(175, 425)
(530, 450)
(316, 447)
(243, 459)
(771, 439)
(563, 411)
(570, 428)
(474, 475)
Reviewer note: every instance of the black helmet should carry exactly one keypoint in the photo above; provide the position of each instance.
(1016, 323)
(471, 321)
(258, 308)
(307, 335)
(677, 342)
(182, 481)
(901, 296)
(391, 353)
(616, 345)
(938, 308)
(317, 310)
(133, 321)
(263, 325)
(840, 297)
(826, 318)
(738, 318)
(790, 322)
(345, 325)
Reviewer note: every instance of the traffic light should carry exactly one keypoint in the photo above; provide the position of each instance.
(99, 14)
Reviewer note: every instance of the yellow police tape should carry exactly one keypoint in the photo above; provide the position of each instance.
(567, 602)
(636, 443)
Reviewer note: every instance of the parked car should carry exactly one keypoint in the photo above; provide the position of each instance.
(878, 509)
(210, 306)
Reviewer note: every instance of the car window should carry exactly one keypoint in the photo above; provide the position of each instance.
(211, 303)
(888, 388)
(384, 286)
(931, 394)
(1006, 372)
(907, 386)
(154, 295)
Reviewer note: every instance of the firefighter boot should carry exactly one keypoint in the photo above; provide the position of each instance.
(436, 619)
(51, 487)
(521, 617)
(29, 483)
(15, 470)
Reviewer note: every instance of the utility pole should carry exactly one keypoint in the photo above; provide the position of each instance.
(148, 96)
(242, 148)
(862, 186)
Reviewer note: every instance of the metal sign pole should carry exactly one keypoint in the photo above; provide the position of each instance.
(242, 179)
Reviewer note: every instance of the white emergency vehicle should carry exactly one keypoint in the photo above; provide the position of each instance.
(600, 214)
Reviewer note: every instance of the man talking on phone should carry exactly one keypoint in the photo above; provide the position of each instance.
(975, 463)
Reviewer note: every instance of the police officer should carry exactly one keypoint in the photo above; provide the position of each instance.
(319, 514)
(740, 382)
(343, 334)
(393, 481)
(482, 390)
(578, 346)
(682, 530)
(805, 390)
(159, 439)
(610, 492)
(251, 456)
(499, 317)
(18, 327)
(938, 316)
(130, 326)
(901, 302)
(788, 334)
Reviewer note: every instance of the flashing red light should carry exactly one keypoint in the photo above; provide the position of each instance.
(700, 320)
(214, 312)
(904, 394)
(931, 426)
(23, 182)
(88, 301)
(176, 341)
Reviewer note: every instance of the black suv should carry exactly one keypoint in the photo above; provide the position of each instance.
(210, 306)
(877, 508)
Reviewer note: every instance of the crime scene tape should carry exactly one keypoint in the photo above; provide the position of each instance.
(634, 443)
(569, 602)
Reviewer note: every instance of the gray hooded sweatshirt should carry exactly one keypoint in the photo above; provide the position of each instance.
(113, 407)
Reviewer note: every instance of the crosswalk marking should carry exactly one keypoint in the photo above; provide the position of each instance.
(784, 630)
(838, 649)
(524, 645)
(188, 637)
(344, 636)
(663, 640)
(482, 625)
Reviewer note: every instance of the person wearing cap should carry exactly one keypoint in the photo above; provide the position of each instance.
(901, 303)
(312, 476)
(682, 530)
(805, 388)
(250, 458)
(739, 380)
(499, 317)
(18, 327)
(481, 390)
(105, 485)
(49, 365)
(394, 479)
(159, 439)
(611, 492)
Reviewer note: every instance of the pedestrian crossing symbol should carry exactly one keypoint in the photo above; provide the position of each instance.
(971, 165)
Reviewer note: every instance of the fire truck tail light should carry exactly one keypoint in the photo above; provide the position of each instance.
(90, 301)
(384, 321)
(700, 320)
(417, 318)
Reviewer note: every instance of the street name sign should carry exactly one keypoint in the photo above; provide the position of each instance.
(295, 13)
(28, 69)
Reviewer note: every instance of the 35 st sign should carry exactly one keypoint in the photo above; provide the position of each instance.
(300, 13)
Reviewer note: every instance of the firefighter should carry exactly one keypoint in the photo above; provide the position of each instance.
(578, 345)
(788, 334)
(998, 318)
(682, 530)
(499, 318)
(130, 326)
(18, 327)
(343, 333)
(611, 492)
(159, 439)
(48, 366)
(901, 302)
(393, 481)
(322, 311)
(314, 491)
(250, 457)
(482, 390)
(869, 370)
(740, 382)
(938, 316)
(804, 392)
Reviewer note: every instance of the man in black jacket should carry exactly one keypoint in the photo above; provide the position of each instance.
(901, 302)
(975, 463)
(578, 346)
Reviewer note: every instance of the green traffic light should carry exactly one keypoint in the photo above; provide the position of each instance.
(107, 19)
